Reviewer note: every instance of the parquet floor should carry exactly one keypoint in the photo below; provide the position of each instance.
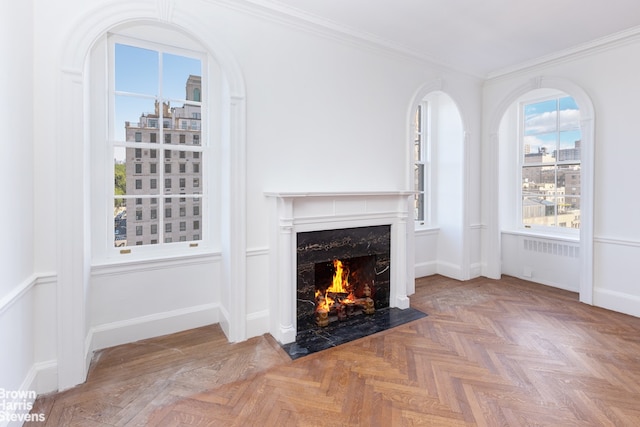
(490, 353)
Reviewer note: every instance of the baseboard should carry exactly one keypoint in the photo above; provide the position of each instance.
(131, 330)
(452, 271)
(425, 269)
(46, 380)
(17, 404)
(545, 282)
(258, 323)
(617, 301)
(475, 270)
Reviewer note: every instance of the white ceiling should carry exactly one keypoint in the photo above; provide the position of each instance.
(480, 37)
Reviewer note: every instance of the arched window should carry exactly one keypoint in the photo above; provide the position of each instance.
(156, 149)
(550, 161)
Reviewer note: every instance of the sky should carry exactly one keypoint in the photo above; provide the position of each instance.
(138, 71)
(542, 121)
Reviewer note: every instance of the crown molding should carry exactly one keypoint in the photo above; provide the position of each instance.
(304, 21)
(604, 43)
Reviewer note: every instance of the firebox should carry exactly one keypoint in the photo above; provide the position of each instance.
(342, 274)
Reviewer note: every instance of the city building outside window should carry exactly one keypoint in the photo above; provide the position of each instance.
(421, 163)
(155, 84)
(550, 163)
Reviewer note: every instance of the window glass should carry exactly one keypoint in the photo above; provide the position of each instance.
(420, 160)
(142, 100)
(550, 163)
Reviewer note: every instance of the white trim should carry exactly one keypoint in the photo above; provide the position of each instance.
(116, 268)
(545, 236)
(427, 231)
(492, 239)
(46, 378)
(71, 140)
(618, 242)
(617, 301)
(7, 301)
(451, 270)
(610, 41)
(424, 269)
(332, 30)
(256, 252)
(258, 323)
(153, 325)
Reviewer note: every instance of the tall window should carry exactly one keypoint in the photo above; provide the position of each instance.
(550, 163)
(155, 84)
(420, 157)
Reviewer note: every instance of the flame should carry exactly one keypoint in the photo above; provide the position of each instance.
(339, 285)
(340, 278)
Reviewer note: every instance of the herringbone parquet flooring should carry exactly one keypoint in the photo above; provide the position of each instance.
(490, 353)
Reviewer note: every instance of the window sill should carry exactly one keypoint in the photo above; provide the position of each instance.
(423, 230)
(123, 265)
(561, 237)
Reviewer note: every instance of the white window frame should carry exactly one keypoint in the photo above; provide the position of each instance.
(102, 154)
(519, 220)
(423, 133)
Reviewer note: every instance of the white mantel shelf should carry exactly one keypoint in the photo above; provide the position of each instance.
(299, 211)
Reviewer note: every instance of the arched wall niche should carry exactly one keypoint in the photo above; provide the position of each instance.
(72, 147)
(454, 236)
(492, 240)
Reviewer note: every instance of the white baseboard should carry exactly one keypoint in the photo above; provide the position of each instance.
(426, 269)
(131, 330)
(475, 270)
(258, 323)
(452, 271)
(41, 378)
(617, 301)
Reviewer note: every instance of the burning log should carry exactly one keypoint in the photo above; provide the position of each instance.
(322, 318)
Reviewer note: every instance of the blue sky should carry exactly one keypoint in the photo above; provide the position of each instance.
(542, 120)
(137, 71)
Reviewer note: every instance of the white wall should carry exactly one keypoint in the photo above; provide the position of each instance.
(21, 290)
(608, 75)
(322, 114)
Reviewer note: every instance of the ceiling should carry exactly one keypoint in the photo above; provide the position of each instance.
(479, 37)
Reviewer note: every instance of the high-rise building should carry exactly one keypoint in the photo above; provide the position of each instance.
(166, 183)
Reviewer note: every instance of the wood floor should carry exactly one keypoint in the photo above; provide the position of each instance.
(490, 353)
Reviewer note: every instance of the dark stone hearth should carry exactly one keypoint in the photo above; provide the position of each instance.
(317, 338)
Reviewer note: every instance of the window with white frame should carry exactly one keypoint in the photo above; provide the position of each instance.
(154, 84)
(550, 152)
(421, 163)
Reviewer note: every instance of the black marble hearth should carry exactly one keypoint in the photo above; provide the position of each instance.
(316, 339)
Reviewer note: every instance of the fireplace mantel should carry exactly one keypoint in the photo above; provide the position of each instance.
(294, 212)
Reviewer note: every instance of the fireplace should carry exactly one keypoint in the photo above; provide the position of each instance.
(365, 231)
(341, 273)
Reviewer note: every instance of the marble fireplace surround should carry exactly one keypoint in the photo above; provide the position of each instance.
(297, 212)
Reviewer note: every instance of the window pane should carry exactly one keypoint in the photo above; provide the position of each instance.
(135, 119)
(540, 148)
(540, 117)
(136, 69)
(119, 222)
(538, 179)
(149, 180)
(538, 210)
(176, 70)
(569, 114)
(551, 183)
(569, 146)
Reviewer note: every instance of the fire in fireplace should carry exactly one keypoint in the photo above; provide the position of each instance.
(341, 274)
(348, 292)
